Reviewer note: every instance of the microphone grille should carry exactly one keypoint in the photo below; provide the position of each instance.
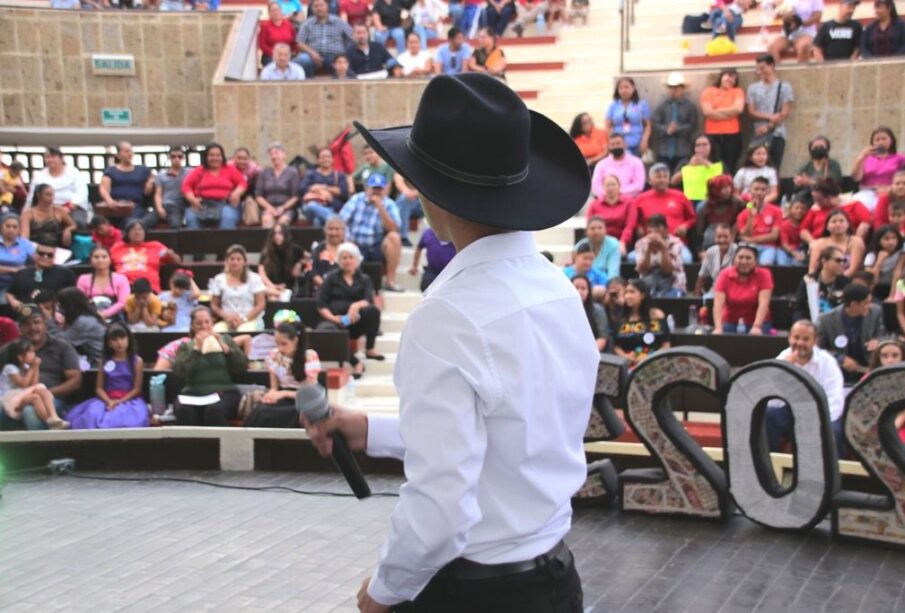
(311, 401)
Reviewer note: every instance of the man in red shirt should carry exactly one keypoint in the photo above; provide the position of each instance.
(759, 223)
(826, 199)
(671, 203)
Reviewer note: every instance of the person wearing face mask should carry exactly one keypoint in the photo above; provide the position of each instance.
(875, 166)
(620, 163)
(819, 166)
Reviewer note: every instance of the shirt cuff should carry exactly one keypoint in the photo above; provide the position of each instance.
(381, 593)
(384, 440)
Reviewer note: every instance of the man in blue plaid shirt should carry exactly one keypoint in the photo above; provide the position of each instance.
(321, 38)
(372, 222)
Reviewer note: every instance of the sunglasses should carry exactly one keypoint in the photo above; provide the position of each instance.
(45, 254)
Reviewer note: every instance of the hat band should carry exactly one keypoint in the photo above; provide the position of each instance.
(462, 176)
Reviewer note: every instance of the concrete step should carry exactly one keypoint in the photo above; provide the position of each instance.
(388, 342)
(371, 385)
(388, 405)
(401, 302)
(393, 321)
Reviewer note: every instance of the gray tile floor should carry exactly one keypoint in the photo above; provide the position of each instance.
(83, 545)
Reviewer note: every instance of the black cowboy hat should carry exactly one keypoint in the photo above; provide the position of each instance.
(476, 151)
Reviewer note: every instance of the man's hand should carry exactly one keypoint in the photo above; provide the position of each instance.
(871, 345)
(762, 129)
(351, 424)
(850, 364)
(366, 604)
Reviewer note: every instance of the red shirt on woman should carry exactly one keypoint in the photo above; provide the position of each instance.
(741, 294)
(356, 12)
(210, 185)
(620, 218)
(269, 35)
(137, 260)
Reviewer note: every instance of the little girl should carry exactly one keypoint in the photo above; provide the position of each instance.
(756, 165)
(882, 258)
(179, 302)
(118, 403)
(20, 386)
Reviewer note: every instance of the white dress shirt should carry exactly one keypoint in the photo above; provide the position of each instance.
(68, 187)
(496, 373)
(825, 370)
(272, 72)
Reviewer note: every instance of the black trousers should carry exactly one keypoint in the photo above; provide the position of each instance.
(367, 325)
(729, 147)
(217, 414)
(283, 414)
(555, 588)
(777, 151)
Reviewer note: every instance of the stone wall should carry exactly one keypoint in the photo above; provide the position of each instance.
(844, 102)
(46, 79)
(302, 114)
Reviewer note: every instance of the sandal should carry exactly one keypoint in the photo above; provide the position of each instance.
(356, 374)
(375, 356)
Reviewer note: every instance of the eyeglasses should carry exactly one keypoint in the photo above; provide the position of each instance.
(44, 254)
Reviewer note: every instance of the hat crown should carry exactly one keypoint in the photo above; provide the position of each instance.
(473, 128)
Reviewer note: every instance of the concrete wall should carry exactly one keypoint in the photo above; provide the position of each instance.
(844, 102)
(46, 79)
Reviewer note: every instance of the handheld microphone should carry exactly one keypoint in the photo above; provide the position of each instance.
(311, 401)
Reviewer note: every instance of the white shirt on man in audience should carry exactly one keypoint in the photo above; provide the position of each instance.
(281, 69)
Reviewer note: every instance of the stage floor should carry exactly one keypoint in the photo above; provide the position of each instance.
(68, 544)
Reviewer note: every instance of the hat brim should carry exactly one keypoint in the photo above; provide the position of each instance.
(557, 185)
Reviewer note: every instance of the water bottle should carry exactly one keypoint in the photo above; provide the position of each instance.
(541, 25)
(157, 394)
(350, 389)
(671, 322)
(692, 315)
(741, 328)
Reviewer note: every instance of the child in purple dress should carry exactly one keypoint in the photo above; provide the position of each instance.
(119, 403)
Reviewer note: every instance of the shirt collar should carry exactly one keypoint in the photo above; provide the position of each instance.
(488, 249)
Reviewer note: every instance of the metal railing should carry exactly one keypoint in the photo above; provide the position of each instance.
(627, 14)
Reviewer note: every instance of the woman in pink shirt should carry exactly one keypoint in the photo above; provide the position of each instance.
(108, 290)
(875, 166)
(213, 191)
(619, 213)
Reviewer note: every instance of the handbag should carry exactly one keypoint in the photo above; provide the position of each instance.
(767, 139)
(119, 208)
(209, 213)
(251, 212)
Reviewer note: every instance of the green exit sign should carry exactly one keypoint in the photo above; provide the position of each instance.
(110, 64)
(118, 118)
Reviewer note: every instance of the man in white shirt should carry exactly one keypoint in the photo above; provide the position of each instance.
(281, 69)
(495, 371)
(820, 364)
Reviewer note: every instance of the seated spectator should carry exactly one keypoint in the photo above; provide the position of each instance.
(498, 14)
(138, 258)
(885, 36)
(177, 303)
(43, 275)
(320, 39)
(849, 332)
(169, 203)
(619, 214)
(281, 68)
(876, 165)
(372, 164)
(722, 105)
(15, 251)
(799, 27)
(694, 173)
(280, 267)
(826, 200)
(721, 207)
(416, 60)
(883, 255)
(118, 402)
(742, 295)
(366, 56)
(106, 289)
(804, 353)
(670, 203)
(659, 260)
(386, 18)
(213, 191)
(144, 308)
(324, 256)
(238, 295)
(345, 300)
(45, 222)
(674, 122)
(627, 168)
(323, 189)
(583, 264)
(125, 185)
(824, 286)
(889, 352)
(83, 327)
(718, 256)
(888, 200)
(606, 249)
(341, 70)
(839, 38)
(439, 253)
(452, 56)
(596, 314)
(614, 301)
(372, 219)
(277, 189)
(838, 233)
(13, 190)
(629, 116)
(820, 166)
(727, 16)
(103, 233)
(273, 31)
(642, 329)
(291, 365)
(409, 204)
(69, 190)
(759, 224)
(20, 390)
(355, 12)
(528, 11)
(488, 58)
(247, 167)
(206, 365)
(591, 141)
(790, 234)
(427, 17)
(769, 102)
(755, 166)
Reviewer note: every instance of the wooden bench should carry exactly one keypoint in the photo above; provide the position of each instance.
(212, 240)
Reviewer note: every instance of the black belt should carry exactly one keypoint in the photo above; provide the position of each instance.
(469, 570)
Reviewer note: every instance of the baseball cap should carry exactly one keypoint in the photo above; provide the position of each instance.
(27, 311)
(377, 180)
